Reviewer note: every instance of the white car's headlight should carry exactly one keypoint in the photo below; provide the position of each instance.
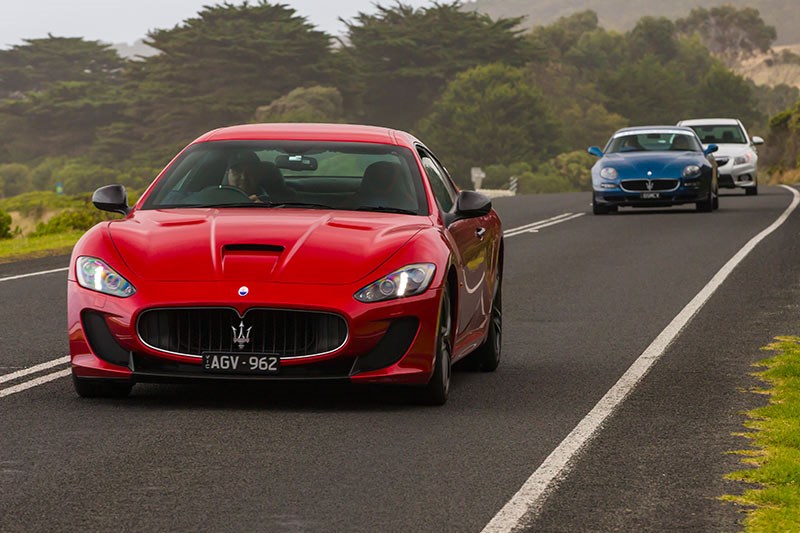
(95, 275)
(608, 173)
(691, 171)
(743, 159)
(408, 281)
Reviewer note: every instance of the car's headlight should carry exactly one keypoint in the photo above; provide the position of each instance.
(408, 281)
(608, 173)
(95, 275)
(743, 159)
(691, 171)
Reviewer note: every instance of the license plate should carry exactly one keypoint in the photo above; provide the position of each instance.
(227, 363)
(650, 195)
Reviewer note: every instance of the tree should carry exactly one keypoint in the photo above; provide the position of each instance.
(653, 36)
(402, 58)
(304, 104)
(730, 33)
(15, 179)
(490, 114)
(38, 63)
(216, 68)
(723, 93)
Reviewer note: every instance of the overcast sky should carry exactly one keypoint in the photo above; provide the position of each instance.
(125, 21)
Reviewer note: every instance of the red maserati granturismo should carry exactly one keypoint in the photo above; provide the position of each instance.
(289, 252)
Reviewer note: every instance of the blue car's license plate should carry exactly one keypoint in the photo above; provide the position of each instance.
(227, 363)
(650, 195)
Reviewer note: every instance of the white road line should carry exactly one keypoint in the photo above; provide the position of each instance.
(535, 226)
(47, 378)
(529, 499)
(42, 273)
(34, 369)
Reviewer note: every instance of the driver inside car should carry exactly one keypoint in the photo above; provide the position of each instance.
(245, 176)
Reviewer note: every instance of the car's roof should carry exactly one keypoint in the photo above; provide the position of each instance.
(653, 129)
(310, 132)
(709, 121)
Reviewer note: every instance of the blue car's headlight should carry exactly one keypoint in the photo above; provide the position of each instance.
(608, 173)
(408, 281)
(95, 275)
(691, 171)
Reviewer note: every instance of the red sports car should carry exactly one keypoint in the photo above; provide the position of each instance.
(286, 252)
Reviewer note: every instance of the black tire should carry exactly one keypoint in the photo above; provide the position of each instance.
(487, 356)
(437, 389)
(716, 199)
(707, 205)
(602, 209)
(752, 191)
(101, 388)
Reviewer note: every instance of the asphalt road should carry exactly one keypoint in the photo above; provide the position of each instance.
(583, 299)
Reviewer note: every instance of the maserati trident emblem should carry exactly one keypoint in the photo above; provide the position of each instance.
(649, 185)
(241, 337)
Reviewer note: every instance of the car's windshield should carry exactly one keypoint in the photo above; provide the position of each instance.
(314, 175)
(653, 142)
(720, 134)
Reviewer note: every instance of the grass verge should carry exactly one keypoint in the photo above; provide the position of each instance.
(32, 247)
(775, 432)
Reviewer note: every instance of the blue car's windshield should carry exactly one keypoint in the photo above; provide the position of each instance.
(653, 142)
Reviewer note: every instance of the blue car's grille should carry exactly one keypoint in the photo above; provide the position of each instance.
(649, 185)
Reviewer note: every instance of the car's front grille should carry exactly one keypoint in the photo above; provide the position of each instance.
(287, 333)
(722, 161)
(649, 185)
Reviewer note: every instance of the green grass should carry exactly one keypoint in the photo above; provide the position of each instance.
(31, 247)
(775, 431)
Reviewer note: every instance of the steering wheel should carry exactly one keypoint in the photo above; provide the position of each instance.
(225, 193)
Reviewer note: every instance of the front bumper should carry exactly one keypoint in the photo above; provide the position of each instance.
(693, 192)
(732, 176)
(390, 342)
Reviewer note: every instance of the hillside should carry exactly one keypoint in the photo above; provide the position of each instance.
(780, 66)
(618, 15)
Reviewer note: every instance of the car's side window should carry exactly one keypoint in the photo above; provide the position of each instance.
(442, 190)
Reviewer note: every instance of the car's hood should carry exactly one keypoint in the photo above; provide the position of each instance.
(729, 150)
(252, 244)
(660, 164)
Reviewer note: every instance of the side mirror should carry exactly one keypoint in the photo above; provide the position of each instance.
(471, 204)
(595, 151)
(113, 198)
(711, 149)
(758, 140)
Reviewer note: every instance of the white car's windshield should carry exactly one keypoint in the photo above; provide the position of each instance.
(720, 134)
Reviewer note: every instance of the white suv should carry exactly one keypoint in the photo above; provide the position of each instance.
(737, 158)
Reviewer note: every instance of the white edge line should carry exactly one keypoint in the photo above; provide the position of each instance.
(535, 225)
(515, 232)
(533, 493)
(42, 273)
(34, 369)
(35, 382)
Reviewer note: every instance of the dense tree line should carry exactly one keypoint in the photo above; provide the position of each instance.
(480, 91)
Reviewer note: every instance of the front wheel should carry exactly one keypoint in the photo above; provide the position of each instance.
(101, 388)
(487, 355)
(437, 389)
(707, 205)
(752, 191)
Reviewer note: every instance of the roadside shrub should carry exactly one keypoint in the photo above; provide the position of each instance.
(5, 225)
(74, 219)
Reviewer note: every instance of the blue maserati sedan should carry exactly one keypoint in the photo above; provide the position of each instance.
(654, 166)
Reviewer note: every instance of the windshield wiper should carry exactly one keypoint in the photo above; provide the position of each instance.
(382, 209)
